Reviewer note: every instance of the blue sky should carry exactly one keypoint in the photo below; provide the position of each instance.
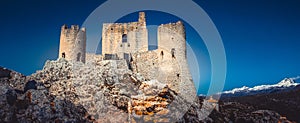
(261, 38)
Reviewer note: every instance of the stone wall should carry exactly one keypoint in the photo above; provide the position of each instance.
(167, 64)
(93, 58)
(72, 43)
(120, 38)
(152, 65)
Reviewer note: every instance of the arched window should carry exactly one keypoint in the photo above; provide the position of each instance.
(124, 38)
(78, 56)
(63, 55)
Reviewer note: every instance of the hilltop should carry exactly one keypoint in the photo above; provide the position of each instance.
(107, 91)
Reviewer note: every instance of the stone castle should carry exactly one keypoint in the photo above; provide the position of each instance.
(129, 41)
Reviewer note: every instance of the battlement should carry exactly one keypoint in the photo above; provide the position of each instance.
(177, 27)
(73, 28)
(120, 27)
(173, 25)
(126, 27)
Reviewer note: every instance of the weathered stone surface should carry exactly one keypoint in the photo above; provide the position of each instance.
(107, 91)
(72, 43)
(97, 91)
(120, 38)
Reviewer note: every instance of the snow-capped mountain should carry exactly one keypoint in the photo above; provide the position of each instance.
(284, 85)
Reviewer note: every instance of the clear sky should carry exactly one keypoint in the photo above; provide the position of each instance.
(261, 38)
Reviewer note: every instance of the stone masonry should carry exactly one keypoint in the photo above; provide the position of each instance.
(125, 38)
(167, 64)
(72, 43)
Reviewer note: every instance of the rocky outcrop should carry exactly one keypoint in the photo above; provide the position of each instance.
(99, 91)
(107, 91)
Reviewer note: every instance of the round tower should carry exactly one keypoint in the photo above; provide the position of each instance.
(72, 43)
(171, 39)
(172, 56)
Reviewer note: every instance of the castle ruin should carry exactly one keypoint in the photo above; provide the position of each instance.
(123, 39)
(72, 43)
(129, 41)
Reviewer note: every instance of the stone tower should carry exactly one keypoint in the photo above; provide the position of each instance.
(72, 43)
(171, 39)
(122, 39)
(172, 49)
(168, 63)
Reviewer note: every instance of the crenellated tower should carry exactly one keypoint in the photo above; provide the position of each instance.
(72, 43)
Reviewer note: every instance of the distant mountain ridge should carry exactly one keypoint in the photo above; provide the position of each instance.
(283, 98)
(284, 85)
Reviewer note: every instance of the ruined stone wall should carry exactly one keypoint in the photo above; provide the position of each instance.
(72, 43)
(167, 64)
(176, 75)
(120, 38)
(153, 66)
(93, 58)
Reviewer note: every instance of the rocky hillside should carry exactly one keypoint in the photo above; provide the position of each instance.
(107, 91)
